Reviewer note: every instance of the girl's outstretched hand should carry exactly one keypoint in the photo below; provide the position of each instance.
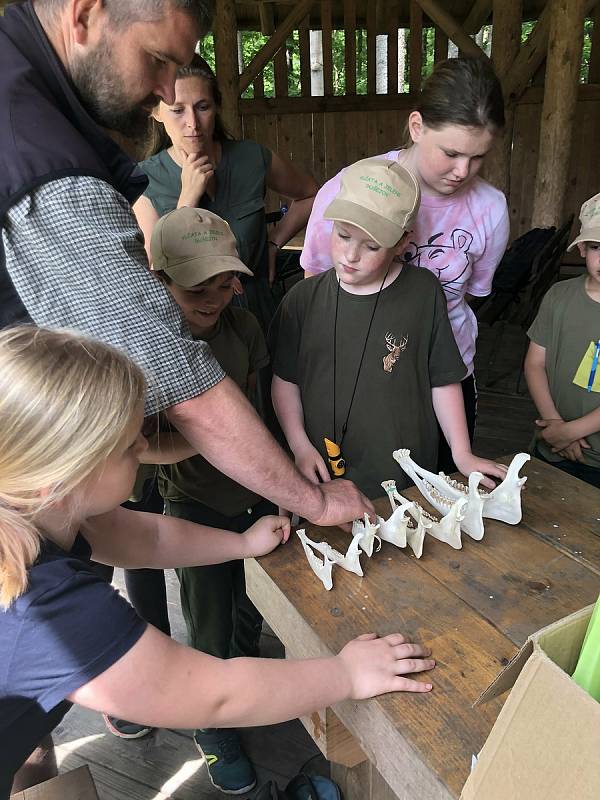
(266, 534)
(376, 666)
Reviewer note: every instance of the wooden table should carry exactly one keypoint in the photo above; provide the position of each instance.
(474, 607)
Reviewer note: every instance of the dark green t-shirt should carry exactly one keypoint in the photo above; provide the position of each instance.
(393, 406)
(239, 346)
(568, 327)
(240, 194)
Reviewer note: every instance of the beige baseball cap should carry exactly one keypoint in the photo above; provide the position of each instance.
(590, 222)
(378, 196)
(192, 245)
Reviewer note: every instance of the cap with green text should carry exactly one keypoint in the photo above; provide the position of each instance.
(590, 222)
(378, 196)
(192, 245)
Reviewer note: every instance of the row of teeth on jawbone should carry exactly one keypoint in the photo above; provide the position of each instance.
(463, 508)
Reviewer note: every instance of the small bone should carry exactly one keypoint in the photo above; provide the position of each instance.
(368, 535)
(442, 495)
(322, 569)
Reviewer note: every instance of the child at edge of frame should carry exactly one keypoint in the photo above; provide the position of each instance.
(561, 367)
(364, 358)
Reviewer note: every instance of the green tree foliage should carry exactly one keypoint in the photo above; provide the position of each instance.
(252, 41)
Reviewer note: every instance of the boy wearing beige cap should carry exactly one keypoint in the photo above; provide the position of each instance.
(194, 253)
(562, 365)
(364, 358)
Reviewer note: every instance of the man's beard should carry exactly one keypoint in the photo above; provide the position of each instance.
(103, 94)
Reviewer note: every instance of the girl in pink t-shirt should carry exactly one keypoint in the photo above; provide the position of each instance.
(462, 227)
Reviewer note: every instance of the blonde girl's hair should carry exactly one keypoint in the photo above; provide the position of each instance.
(65, 404)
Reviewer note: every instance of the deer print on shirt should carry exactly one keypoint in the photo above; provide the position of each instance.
(448, 262)
(395, 350)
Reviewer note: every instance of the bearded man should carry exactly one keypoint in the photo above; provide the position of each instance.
(72, 254)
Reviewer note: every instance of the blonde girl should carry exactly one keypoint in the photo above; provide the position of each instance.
(462, 227)
(71, 409)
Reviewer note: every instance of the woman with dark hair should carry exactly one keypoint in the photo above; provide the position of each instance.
(462, 228)
(193, 162)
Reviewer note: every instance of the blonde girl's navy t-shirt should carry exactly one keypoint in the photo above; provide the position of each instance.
(68, 628)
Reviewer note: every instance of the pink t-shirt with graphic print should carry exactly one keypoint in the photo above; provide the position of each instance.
(460, 238)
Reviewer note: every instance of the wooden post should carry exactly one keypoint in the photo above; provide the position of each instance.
(441, 45)
(305, 63)
(226, 64)
(594, 73)
(558, 110)
(506, 42)
(327, 51)
(532, 53)
(416, 47)
(392, 48)
(371, 51)
(350, 45)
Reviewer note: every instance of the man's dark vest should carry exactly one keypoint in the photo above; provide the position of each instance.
(45, 133)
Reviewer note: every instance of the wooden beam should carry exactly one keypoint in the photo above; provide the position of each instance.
(280, 73)
(371, 50)
(350, 45)
(594, 71)
(304, 47)
(226, 63)
(392, 48)
(267, 21)
(327, 47)
(451, 28)
(558, 111)
(441, 46)
(416, 46)
(506, 43)
(532, 54)
(266, 53)
(478, 16)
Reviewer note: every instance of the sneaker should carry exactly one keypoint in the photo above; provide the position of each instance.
(124, 729)
(229, 768)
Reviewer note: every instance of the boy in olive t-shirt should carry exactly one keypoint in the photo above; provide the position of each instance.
(562, 365)
(194, 253)
(363, 354)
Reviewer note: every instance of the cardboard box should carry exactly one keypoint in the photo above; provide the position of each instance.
(546, 740)
(75, 785)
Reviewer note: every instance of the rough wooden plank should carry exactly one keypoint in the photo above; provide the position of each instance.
(594, 68)
(259, 85)
(506, 42)
(319, 105)
(554, 498)
(416, 46)
(298, 11)
(412, 739)
(477, 16)
(392, 47)
(226, 61)
(280, 69)
(558, 112)
(327, 47)
(441, 46)
(350, 45)
(451, 28)
(333, 739)
(304, 46)
(371, 52)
